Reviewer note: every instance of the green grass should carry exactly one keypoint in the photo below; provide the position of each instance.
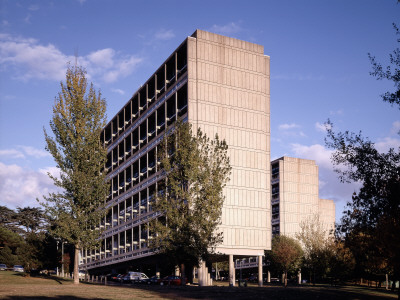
(13, 286)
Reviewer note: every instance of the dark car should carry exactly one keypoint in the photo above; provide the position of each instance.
(170, 280)
(124, 278)
(152, 280)
(112, 277)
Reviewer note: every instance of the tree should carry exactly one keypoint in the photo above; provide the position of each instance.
(197, 170)
(391, 74)
(375, 209)
(317, 245)
(285, 254)
(31, 218)
(342, 262)
(9, 220)
(10, 242)
(78, 119)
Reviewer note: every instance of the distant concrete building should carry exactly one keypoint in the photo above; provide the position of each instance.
(294, 186)
(221, 85)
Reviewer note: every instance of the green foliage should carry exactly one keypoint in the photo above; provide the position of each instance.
(285, 254)
(391, 73)
(342, 262)
(318, 246)
(24, 240)
(197, 170)
(32, 219)
(9, 219)
(77, 122)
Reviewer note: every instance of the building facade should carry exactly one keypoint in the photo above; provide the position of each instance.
(221, 85)
(295, 198)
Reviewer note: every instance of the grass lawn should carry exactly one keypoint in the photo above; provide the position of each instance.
(14, 286)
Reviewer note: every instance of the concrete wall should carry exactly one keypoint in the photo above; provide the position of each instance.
(229, 95)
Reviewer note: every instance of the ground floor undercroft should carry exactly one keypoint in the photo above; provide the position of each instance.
(216, 267)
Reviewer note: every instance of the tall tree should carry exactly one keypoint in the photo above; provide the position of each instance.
(285, 254)
(375, 209)
(197, 170)
(78, 119)
(317, 244)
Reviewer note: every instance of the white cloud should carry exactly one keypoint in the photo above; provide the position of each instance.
(289, 130)
(37, 153)
(395, 127)
(31, 60)
(164, 35)
(288, 126)
(118, 91)
(121, 68)
(12, 153)
(21, 187)
(338, 112)
(227, 29)
(321, 127)
(316, 152)
(33, 7)
(383, 145)
(23, 152)
(27, 19)
(102, 58)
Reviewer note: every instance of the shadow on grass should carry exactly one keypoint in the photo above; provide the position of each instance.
(267, 292)
(43, 276)
(61, 297)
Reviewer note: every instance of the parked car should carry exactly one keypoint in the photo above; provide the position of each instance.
(171, 280)
(82, 274)
(152, 280)
(112, 277)
(135, 277)
(18, 268)
(253, 278)
(123, 278)
(3, 267)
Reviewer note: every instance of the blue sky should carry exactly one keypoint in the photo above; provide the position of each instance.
(319, 70)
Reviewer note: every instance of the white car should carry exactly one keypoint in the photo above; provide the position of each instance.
(136, 276)
(18, 268)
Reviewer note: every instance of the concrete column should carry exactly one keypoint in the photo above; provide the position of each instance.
(204, 273)
(260, 270)
(387, 282)
(232, 278)
(299, 277)
(200, 274)
(176, 271)
(269, 277)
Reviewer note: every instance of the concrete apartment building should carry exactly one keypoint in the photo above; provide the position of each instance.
(295, 198)
(221, 85)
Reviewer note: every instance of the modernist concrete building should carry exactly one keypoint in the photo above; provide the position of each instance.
(221, 85)
(294, 185)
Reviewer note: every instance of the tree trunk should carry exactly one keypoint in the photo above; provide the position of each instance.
(76, 265)
(183, 274)
(285, 280)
